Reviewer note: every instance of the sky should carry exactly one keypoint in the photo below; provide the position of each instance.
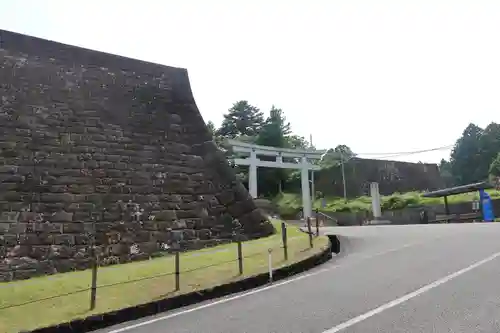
(379, 76)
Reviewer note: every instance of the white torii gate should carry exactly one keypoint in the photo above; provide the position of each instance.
(253, 162)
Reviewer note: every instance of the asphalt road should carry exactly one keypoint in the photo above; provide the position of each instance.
(431, 278)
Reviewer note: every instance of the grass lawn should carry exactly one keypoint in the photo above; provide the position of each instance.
(199, 270)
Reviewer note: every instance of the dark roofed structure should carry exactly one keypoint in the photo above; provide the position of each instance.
(458, 190)
(445, 192)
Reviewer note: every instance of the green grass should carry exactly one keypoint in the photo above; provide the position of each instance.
(289, 203)
(199, 270)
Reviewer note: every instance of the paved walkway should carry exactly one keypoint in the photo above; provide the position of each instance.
(415, 278)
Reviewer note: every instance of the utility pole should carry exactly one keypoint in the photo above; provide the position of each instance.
(343, 175)
(313, 193)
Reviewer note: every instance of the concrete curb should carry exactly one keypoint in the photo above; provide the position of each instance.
(100, 321)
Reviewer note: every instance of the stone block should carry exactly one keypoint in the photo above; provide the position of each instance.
(6, 276)
(179, 224)
(64, 239)
(24, 274)
(9, 217)
(203, 234)
(73, 228)
(8, 240)
(56, 197)
(39, 252)
(20, 251)
(24, 263)
(64, 265)
(226, 197)
(28, 216)
(166, 215)
(61, 216)
(240, 208)
(189, 234)
(177, 235)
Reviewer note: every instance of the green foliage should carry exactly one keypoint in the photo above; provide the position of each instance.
(291, 203)
(494, 169)
(242, 119)
(211, 127)
(298, 142)
(274, 133)
(465, 156)
(473, 154)
(445, 173)
(334, 157)
(489, 147)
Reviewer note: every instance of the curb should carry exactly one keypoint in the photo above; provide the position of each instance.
(104, 320)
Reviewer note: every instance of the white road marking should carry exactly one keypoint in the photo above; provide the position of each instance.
(409, 296)
(258, 290)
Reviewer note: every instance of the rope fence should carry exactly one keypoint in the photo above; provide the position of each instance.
(179, 266)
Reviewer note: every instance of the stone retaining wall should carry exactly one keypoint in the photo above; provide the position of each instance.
(105, 150)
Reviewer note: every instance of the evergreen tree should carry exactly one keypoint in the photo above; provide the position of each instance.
(466, 157)
(242, 119)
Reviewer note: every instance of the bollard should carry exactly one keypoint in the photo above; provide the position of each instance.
(309, 231)
(270, 264)
(177, 271)
(240, 257)
(285, 239)
(93, 289)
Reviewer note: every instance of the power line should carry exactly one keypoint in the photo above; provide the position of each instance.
(392, 155)
(409, 152)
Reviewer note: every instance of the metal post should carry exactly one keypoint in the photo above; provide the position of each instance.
(446, 206)
(177, 271)
(270, 264)
(309, 231)
(240, 257)
(317, 222)
(285, 240)
(93, 290)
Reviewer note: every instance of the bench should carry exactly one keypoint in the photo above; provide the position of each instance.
(470, 217)
(442, 218)
(457, 217)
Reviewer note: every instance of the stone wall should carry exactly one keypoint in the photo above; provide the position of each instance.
(105, 150)
(392, 176)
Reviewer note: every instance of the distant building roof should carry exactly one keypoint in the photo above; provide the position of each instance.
(458, 190)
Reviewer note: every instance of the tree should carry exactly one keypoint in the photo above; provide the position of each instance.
(489, 147)
(274, 133)
(445, 173)
(345, 151)
(241, 119)
(465, 157)
(494, 169)
(298, 142)
(211, 127)
(335, 156)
